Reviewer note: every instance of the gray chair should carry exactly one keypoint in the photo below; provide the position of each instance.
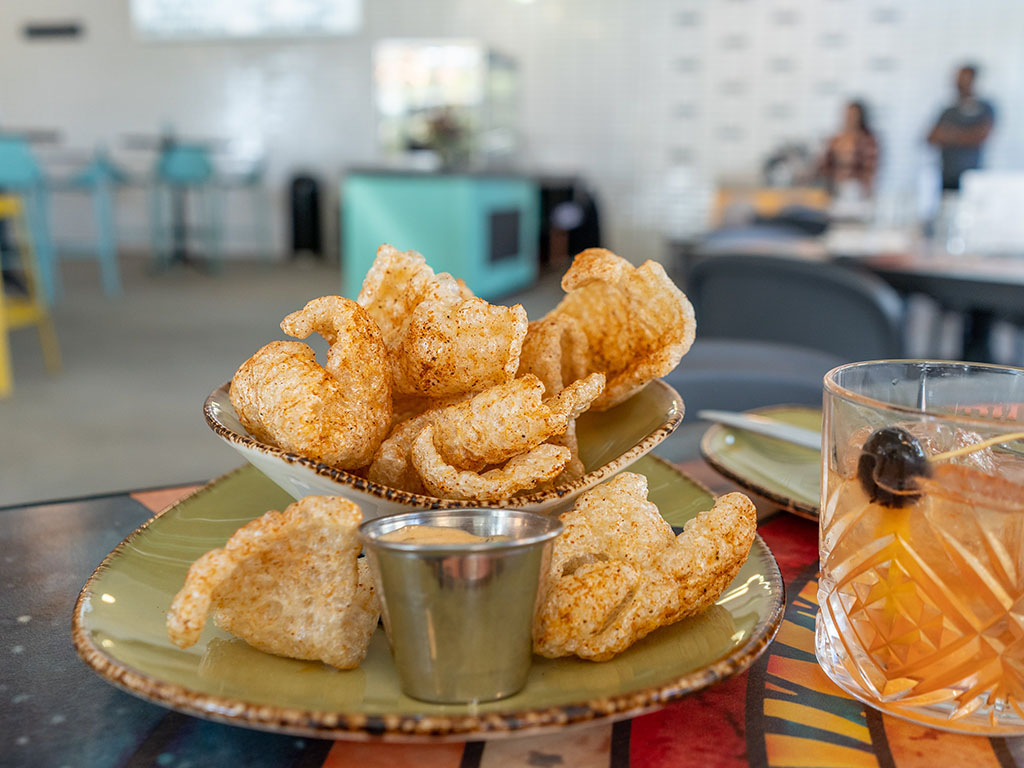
(836, 309)
(732, 375)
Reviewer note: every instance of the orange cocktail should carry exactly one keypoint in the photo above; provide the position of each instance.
(922, 542)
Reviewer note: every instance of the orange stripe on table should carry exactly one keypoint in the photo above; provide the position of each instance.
(159, 499)
(796, 752)
(805, 673)
(810, 592)
(373, 754)
(796, 636)
(917, 746)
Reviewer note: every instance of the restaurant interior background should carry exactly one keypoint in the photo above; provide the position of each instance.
(633, 118)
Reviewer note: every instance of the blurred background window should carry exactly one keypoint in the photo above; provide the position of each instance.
(197, 19)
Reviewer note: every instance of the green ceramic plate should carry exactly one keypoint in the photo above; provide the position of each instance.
(119, 631)
(785, 474)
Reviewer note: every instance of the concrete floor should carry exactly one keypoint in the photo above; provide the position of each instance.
(126, 412)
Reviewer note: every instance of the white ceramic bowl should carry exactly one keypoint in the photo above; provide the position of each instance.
(609, 442)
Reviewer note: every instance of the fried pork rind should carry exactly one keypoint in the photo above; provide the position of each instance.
(509, 419)
(443, 340)
(522, 471)
(356, 356)
(618, 572)
(408, 406)
(287, 583)
(396, 283)
(574, 470)
(283, 397)
(455, 346)
(637, 322)
(392, 465)
(555, 351)
(487, 429)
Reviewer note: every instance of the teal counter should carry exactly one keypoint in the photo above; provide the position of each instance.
(483, 228)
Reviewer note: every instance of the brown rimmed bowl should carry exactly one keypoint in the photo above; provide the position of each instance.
(609, 441)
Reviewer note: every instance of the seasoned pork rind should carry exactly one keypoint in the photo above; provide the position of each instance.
(287, 583)
(283, 397)
(443, 341)
(392, 465)
(408, 406)
(574, 470)
(356, 355)
(555, 351)
(509, 419)
(453, 346)
(618, 572)
(521, 472)
(637, 322)
(487, 429)
(396, 283)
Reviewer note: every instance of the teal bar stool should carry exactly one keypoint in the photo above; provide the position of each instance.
(20, 175)
(252, 184)
(99, 179)
(182, 168)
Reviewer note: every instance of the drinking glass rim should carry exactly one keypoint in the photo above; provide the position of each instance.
(832, 387)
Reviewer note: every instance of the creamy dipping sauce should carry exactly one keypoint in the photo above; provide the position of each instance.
(436, 534)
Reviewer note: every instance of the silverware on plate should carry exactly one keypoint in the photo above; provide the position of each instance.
(752, 422)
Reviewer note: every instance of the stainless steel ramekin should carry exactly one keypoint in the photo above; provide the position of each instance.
(459, 616)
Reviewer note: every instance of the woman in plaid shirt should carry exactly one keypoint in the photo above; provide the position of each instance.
(852, 154)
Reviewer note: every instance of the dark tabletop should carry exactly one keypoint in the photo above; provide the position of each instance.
(783, 711)
(56, 711)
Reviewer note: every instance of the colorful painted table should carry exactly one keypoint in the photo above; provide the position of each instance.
(54, 711)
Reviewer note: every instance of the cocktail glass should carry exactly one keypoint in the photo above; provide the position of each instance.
(921, 593)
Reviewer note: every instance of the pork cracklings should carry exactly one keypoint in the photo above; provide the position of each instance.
(287, 583)
(638, 324)
(522, 472)
(503, 423)
(443, 340)
(338, 414)
(555, 351)
(618, 572)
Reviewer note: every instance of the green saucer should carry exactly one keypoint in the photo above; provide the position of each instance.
(785, 474)
(119, 631)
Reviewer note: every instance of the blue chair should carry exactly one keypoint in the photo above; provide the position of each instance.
(20, 175)
(182, 168)
(98, 179)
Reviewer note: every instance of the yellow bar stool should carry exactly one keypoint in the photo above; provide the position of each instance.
(20, 312)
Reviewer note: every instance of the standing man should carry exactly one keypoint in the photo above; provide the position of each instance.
(961, 130)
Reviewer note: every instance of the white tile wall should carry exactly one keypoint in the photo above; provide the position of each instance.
(650, 99)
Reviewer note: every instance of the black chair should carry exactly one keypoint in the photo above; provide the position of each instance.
(840, 310)
(732, 375)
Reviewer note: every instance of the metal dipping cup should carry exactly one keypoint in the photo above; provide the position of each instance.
(459, 616)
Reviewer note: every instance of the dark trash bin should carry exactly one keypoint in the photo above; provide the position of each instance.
(307, 232)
